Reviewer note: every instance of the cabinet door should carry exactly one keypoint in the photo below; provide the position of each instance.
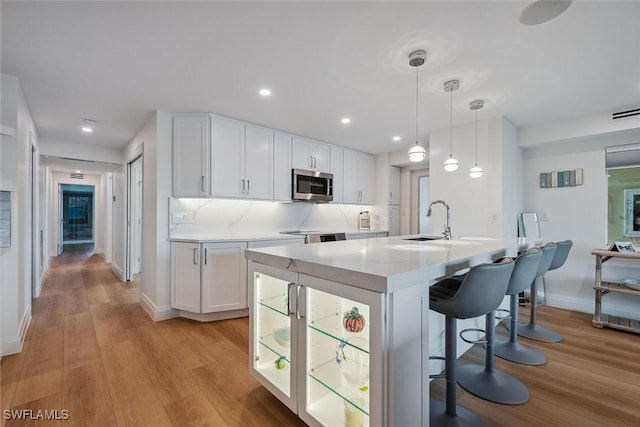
(281, 167)
(258, 163)
(351, 190)
(191, 155)
(342, 382)
(185, 276)
(227, 158)
(336, 169)
(321, 156)
(273, 333)
(394, 220)
(394, 185)
(365, 176)
(301, 150)
(224, 277)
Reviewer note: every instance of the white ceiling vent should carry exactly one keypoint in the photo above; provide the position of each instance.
(625, 113)
(77, 176)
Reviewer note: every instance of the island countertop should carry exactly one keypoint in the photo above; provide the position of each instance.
(387, 264)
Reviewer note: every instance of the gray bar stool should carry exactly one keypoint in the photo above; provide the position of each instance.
(532, 330)
(485, 381)
(523, 274)
(479, 292)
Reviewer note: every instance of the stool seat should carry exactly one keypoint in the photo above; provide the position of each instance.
(478, 292)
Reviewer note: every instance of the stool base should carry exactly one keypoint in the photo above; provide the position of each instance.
(464, 417)
(495, 386)
(538, 333)
(518, 353)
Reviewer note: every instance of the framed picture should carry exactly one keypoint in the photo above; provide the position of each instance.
(622, 247)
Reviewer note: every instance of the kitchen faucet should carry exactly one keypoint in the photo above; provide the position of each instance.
(447, 227)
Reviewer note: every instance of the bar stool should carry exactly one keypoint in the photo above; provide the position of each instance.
(485, 381)
(532, 330)
(479, 292)
(523, 274)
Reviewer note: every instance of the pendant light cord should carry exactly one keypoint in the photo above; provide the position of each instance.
(451, 125)
(476, 163)
(417, 105)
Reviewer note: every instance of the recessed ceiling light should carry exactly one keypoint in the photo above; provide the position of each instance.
(87, 125)
(87, 129)
(265, 92)
(78, 171)
(345, 120)
(396, 138)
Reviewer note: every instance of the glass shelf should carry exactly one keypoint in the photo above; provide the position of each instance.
(278, 350)
(331, 326)
(328, 375)
(276, 303)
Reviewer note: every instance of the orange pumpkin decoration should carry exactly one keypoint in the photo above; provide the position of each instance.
(353, 321)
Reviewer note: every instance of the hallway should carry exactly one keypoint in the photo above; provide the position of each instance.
(93, 351)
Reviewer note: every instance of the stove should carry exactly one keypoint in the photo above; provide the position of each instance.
(315, 236)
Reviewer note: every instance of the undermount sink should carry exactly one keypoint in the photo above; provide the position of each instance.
(423, 239)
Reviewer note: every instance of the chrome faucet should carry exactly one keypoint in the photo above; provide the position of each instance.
(447, 227)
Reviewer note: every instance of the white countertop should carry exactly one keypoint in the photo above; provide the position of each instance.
(204, 237)
(387, 264)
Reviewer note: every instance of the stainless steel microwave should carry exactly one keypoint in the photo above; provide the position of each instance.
(312, 186)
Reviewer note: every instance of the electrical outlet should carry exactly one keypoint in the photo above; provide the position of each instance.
(544, 216)
(181, 217)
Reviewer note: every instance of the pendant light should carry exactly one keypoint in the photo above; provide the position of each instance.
(451, 164)
(417, 153)
(476, 171)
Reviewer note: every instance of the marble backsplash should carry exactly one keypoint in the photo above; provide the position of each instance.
(234, 217)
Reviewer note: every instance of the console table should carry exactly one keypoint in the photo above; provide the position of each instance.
(602, 288)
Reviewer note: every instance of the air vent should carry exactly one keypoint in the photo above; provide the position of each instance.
(625, 113)
(77, 176)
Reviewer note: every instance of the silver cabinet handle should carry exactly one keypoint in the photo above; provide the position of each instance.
(248, 186)
(202, 183)
(195, 256)
(311, 162)
(243, 186)
(299, 290)
(390, 196)
(290, 286)
(315, 162)
(205, 256)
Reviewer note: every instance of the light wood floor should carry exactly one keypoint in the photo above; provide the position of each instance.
(92, 350)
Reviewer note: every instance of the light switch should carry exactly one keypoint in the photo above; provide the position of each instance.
(544, 216)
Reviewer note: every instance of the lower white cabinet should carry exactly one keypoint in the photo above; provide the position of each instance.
(208, 277)
(301, 350)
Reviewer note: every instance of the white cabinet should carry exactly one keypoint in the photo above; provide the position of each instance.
(394, 185)
(394, 220)
(310, 154)
(281, 166)
(208, 277)
(337, 154)
(191, 140)
(241, 160)
(358, 177)
(302, 353)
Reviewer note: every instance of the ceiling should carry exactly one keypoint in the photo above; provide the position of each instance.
(117, 62)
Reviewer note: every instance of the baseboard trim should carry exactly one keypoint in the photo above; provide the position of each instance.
(16, 346)
(157, 313)
(117, 271)
(569, 303)
(210, 317)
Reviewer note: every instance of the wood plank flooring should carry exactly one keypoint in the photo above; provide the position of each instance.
(93, 351)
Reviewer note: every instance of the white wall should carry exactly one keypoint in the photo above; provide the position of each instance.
(16, 261)
(577, 213)
(69, 150)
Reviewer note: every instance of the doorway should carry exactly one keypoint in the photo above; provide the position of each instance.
(419, 201)
(134, 218)
(77, 225)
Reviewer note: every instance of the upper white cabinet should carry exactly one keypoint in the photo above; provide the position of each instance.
(309, 154)
(394, 185)
(337, 154)
(191, 155)
(241, 160)
(358, 177)
(281, 166)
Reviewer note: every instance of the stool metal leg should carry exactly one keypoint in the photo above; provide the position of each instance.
(448, 413)
(488, 383)
(533, 331)
(512, 350)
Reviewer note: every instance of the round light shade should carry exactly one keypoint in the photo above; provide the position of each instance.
(417, 153)
(476, 172)
(451, 164)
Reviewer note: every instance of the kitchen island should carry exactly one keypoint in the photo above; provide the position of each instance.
(339, 331)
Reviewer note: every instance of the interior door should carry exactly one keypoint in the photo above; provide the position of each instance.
(60, 220)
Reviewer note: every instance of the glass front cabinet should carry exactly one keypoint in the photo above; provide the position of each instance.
(317, 346)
